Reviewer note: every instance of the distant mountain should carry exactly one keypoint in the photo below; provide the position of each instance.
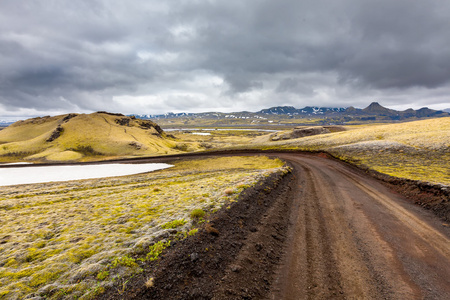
(376, 109)
(283, 110)
(308, 110)
(73, 137)
(447, 110)
(373, 112)
(5, 123)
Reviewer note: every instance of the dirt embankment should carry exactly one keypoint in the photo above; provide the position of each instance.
(233, 256)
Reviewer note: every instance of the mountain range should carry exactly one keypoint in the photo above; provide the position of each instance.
(374, 111)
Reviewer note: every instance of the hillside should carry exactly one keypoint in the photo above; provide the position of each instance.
(74, 137)
(418, 150)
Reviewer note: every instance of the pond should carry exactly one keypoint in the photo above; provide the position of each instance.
(220, 129)
(40, 174)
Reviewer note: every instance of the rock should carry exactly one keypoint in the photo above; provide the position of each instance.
(236, 268)
(308, 131)
(299, 132)
(194, 257)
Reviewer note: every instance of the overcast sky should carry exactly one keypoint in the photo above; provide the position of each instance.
(152, 57)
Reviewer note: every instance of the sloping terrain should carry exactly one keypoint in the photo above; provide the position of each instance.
(74, 137)
(418, 150)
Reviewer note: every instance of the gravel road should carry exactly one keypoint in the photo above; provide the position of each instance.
(350, 237)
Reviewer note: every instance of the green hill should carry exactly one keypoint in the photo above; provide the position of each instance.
(75, 137)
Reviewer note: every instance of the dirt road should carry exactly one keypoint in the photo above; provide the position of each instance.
(352, 238)
(328, 231)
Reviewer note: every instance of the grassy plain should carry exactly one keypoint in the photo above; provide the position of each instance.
(73, 239)
(217, 139)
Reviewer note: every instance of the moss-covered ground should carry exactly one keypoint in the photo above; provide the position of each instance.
(216, 139)
(418, 150)
(72, 239)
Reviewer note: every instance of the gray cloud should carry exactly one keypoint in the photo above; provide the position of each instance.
(157, 56)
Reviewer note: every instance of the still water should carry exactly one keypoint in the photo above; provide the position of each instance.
(39, 174)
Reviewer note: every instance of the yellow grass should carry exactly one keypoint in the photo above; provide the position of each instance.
(417, 150)
(69, 240)
(84, 137)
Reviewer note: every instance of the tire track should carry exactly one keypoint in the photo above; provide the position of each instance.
(322, 279)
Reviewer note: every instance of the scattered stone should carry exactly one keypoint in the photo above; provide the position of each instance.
(194, 257)
(236, 268)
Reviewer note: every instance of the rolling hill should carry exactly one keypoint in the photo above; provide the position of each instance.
(74, 137)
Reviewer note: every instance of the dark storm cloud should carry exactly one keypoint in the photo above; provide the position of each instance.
(380, 43)
(198, 55)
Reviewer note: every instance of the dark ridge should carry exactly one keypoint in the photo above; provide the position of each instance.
(123, 121)
(147, 124)
(68, 117)
(111, 114)
(55, 134)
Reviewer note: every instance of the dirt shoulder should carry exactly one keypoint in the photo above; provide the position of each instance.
(433, 197)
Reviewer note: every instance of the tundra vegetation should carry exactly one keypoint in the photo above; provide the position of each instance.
(418, 150)
(73, 239)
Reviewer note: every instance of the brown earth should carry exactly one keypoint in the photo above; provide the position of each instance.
(325, 231)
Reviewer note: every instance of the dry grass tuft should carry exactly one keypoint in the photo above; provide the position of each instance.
(149, 283)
